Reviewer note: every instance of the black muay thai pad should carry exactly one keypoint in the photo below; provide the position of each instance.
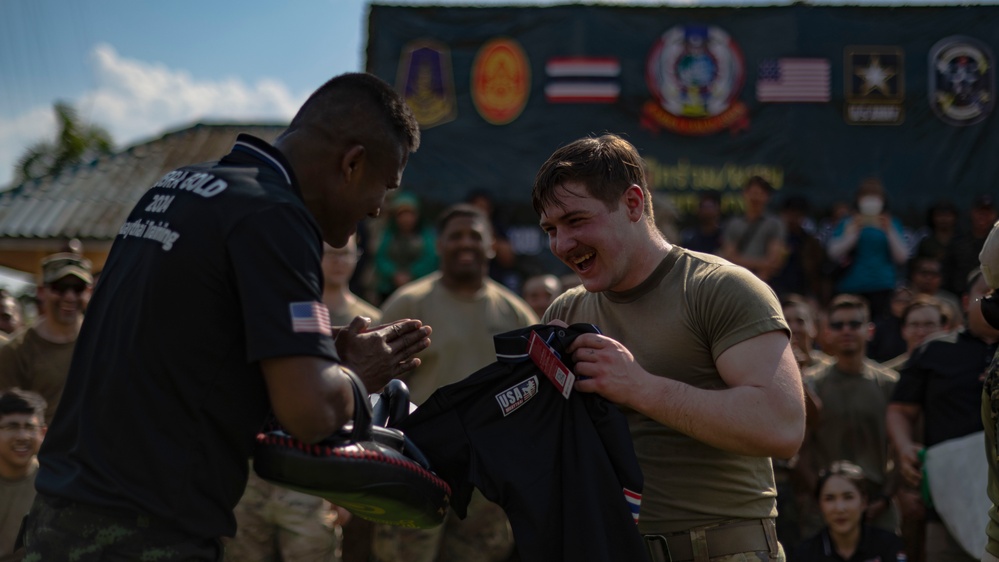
(373, 471)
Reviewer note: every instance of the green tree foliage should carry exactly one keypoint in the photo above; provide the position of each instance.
(76, 143)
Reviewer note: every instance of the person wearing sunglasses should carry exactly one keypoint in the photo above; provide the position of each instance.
(854, 392)
(37, 357)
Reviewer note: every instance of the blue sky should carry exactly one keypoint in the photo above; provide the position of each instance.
(140, 67)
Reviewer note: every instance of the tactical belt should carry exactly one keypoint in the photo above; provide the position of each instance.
(700, 544)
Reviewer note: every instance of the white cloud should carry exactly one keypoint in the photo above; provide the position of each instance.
(136, 100)
(19, 133)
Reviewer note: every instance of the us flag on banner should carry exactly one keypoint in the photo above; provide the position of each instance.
(312, 317)
(793, 80)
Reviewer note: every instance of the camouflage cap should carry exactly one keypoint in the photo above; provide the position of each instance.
(57, 266)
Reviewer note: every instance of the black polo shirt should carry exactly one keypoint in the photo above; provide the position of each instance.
(945, 377)
(560, 468)
(216, 268)
(876, 545)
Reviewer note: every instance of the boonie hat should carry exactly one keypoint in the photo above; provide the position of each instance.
(57, 266)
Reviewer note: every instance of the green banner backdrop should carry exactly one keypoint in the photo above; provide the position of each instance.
(815, 98)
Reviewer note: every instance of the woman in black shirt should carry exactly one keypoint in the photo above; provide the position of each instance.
(842, 493)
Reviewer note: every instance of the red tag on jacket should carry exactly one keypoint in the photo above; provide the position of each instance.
(549, 363)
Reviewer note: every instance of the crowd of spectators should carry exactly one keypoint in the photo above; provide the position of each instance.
(896, 286)
(872, 305)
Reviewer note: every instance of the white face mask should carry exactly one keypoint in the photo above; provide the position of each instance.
(870, 205)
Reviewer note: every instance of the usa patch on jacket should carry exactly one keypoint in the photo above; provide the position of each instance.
(310, 317)
(517, 395)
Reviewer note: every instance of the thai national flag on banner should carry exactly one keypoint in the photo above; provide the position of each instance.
(583, 80)
(793, 80)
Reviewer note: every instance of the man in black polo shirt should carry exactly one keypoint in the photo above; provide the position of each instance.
(208, 313)
(943, 381)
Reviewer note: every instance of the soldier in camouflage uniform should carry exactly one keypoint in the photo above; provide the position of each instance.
(275, 523)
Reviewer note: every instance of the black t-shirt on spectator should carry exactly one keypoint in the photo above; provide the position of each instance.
(945, 377)
(876, 545)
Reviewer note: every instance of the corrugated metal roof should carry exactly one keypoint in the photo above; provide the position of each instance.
(91, 201)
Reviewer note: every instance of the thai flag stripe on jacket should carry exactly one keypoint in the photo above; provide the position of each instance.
(634, 500)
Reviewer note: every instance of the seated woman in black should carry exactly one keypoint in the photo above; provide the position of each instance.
(843, 496)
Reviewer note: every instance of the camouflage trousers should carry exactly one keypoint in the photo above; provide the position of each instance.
(275, 523)
(59, 530)
(484, 536)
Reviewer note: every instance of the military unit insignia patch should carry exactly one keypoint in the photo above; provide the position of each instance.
(874, 79)
(501, 81)
(962, 81)
(695, 73)
(426, 81)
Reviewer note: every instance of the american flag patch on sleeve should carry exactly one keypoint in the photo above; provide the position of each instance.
(634, 500)
(311, 317)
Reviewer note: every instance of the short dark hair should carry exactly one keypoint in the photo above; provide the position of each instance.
(460, 210)
(710, 195)
(347, 104)
(17, 401)
(918, 262)
(758, 181)
(847, 301)
(797, 203)
(846, 470)
(941, 206)
(871, 186)
(983, 201)
(795, 299)
(927, 301)
(607, 165)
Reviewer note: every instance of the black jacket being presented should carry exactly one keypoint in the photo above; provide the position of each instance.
(560, 468)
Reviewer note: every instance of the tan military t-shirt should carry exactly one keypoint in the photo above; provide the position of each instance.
(16, 497)
(33, 363)
(853, 417)
(357, 307)
(676, 324)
